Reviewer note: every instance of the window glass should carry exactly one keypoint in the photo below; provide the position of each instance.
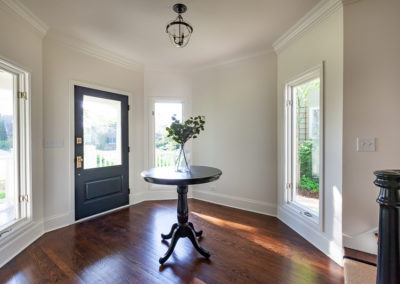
(8, 162)
(306, 114)
(101, 132)
(166, 150)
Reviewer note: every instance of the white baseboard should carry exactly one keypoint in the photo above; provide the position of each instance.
(22, 240)
(56, 222)
(153, 194)
(236, 202)
(365, 241)
(333, 250)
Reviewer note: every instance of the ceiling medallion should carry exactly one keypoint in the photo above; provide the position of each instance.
(178, 30)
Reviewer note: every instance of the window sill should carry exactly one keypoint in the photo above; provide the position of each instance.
(15, 229)
(300, 213)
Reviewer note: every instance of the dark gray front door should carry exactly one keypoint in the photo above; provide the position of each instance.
(101, 151)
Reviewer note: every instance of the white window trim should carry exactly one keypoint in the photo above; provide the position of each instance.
(315, 221)
(24, 172)
(152, 102)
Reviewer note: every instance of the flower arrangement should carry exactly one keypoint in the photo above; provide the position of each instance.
(183, 132)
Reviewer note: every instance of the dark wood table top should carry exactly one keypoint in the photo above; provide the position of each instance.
(168, 176)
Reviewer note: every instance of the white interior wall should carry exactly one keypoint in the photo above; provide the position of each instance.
(239, 103)
(61, 65)
(322, 42)
(371, 109)
(22, 46)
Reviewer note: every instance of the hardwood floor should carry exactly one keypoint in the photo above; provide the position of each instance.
(361, 255)
(124, 247)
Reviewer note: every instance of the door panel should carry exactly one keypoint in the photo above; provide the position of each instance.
(100, 188)
(101, 151)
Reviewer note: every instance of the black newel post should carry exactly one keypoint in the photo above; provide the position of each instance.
(389, 218)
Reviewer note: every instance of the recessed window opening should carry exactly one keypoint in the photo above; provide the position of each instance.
(304, 142)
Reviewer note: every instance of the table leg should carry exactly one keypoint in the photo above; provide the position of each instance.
(197, 233)
(183, 228)
(169, 235)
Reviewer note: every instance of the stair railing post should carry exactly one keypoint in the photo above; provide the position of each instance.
(388, 270)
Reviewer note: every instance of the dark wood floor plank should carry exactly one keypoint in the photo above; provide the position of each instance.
(373, 258)
(124, 247)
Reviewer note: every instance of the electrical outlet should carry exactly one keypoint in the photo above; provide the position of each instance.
(365, 144)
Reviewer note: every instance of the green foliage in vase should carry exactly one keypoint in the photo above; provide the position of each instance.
(182, 132)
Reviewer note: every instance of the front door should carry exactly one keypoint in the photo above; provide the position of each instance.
(101, 151)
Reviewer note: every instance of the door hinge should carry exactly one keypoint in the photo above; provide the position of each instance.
(129, 107)
(129, 191)
(23, 198)
(152, 112)
(22, 95)
(129, 149)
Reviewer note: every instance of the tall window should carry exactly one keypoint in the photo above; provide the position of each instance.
(165, 149)
(13, 146)
(304, 144)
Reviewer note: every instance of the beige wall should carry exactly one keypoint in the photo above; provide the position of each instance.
(371, 109)
(322, 43)
(22, 45)
(239, 102)
(61, 65)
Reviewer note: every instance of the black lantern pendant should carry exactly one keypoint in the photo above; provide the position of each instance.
(178, 30)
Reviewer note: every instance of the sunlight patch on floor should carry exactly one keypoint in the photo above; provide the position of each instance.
(283, 248)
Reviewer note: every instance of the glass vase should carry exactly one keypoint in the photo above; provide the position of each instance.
(182, 163)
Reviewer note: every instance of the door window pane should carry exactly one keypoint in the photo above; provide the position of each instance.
(8, 184)
(166, 150)
(101, 132)
(306, 98)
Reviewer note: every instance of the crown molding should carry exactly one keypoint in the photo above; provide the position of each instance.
(348, 2)
(95, 51)
(318, 13)
(21, 10)
(233, 61)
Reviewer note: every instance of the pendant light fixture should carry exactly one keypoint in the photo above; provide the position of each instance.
(178, 30)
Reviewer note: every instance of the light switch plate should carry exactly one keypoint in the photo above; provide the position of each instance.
(365, 144)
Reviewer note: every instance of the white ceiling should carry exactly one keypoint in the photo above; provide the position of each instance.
(223, 29)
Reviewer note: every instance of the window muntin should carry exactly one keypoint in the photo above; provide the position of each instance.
(304, 140)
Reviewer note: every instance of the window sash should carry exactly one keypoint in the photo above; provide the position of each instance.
(305, 213)
(21, 132)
